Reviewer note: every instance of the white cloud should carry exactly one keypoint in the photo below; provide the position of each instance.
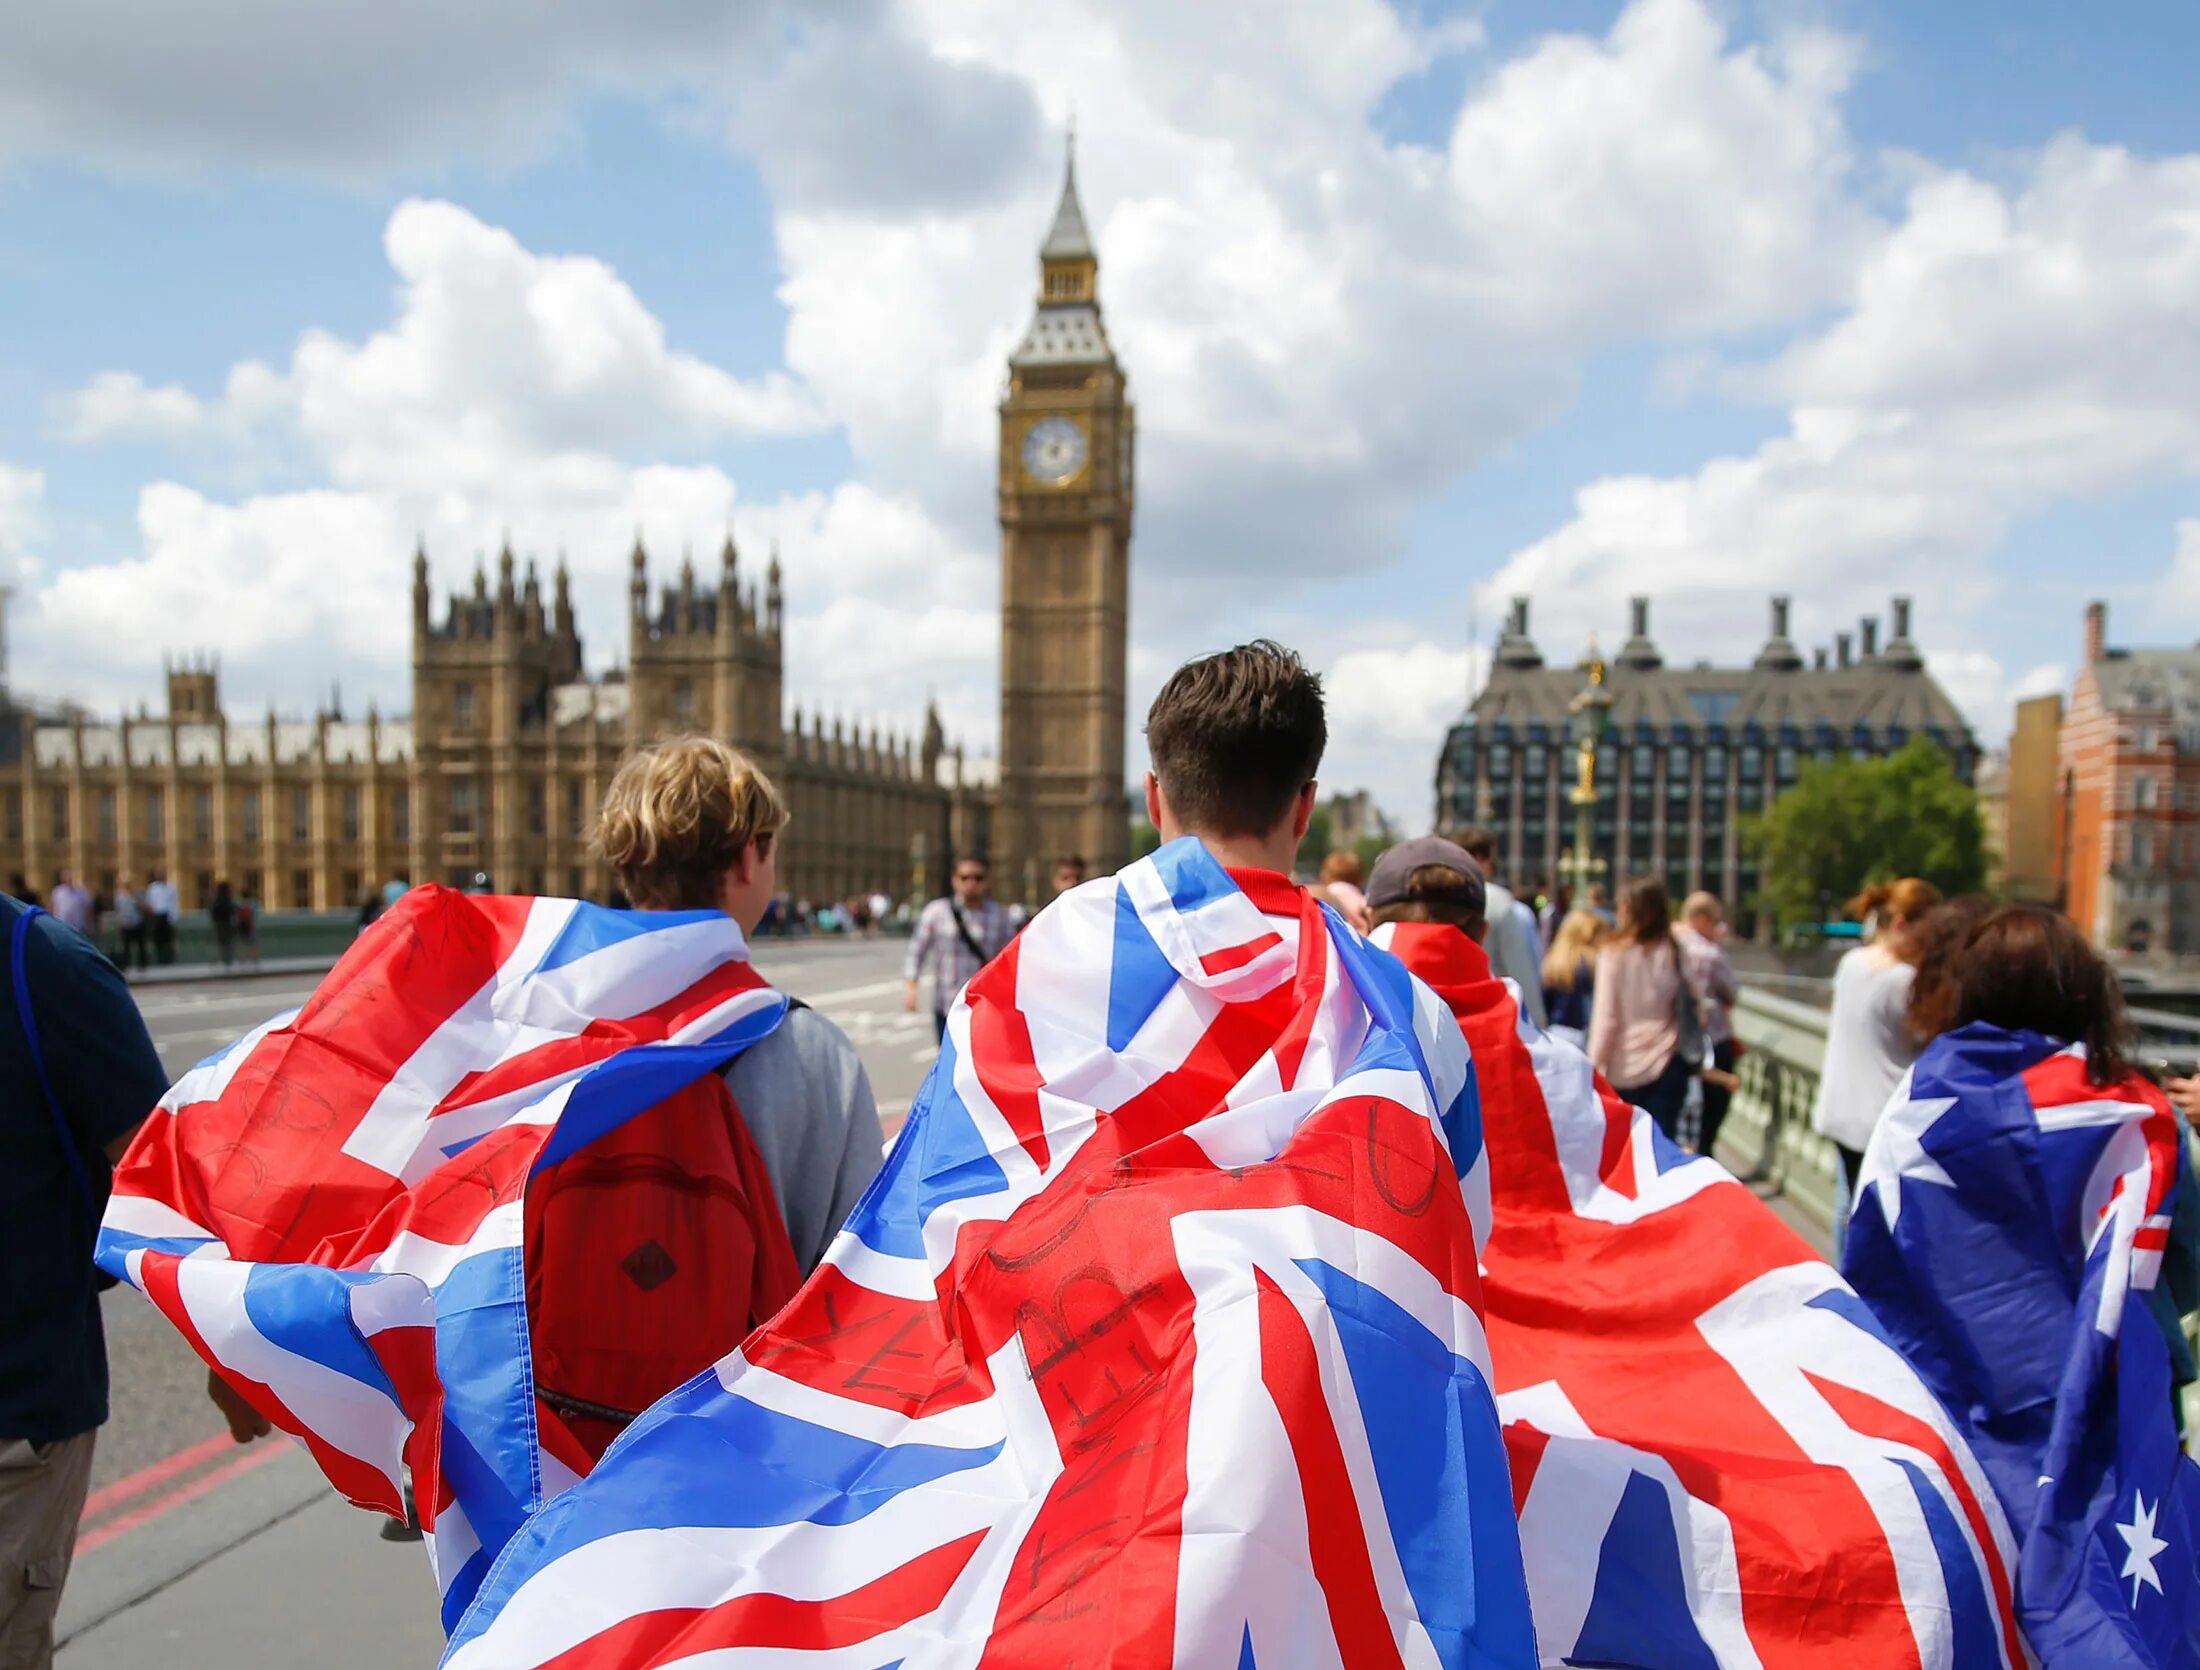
(350, 90)
(2009, 348)
(499, 360)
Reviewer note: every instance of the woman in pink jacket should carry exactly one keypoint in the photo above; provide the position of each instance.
(1634, 1031)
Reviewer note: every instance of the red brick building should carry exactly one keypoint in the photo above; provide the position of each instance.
(2127, 835)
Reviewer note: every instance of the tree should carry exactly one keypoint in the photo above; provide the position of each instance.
(1144, 837)
(1848, 823)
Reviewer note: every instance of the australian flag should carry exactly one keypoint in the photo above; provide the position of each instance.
(2010, 1223)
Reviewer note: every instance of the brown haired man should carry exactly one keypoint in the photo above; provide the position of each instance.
(694, 825)
(1236, 739)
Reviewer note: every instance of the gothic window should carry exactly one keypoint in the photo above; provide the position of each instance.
(535, 816)
(401, 814)
(202, 814)
(350, 814)
(355, 886)
(58, 808)
(251, 819)
(573, 814)
(156, 815)
(301, 889)
(301, 814)
(252, 888)
(462, 707)
(104, 816)
(683, 702)
(461, 821)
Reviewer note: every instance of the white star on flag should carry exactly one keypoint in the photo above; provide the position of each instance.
(1898, 1151)
(2139, 1537)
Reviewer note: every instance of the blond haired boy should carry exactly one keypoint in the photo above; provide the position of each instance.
(692, 824)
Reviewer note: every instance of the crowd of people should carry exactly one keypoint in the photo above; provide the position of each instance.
(793, 1137)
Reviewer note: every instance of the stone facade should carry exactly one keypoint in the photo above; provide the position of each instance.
(1067, 439)
(498, 771)
(2127, 818)
(1687, 753)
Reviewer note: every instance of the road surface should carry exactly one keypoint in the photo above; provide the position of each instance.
(169, 1491)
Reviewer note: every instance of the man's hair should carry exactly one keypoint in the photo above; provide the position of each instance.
(1434, 893)
(1478, 843)
(977, 858)
(1234, 737)
(678, 815)
(1071, 861)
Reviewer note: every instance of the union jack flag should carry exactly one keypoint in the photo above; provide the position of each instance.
(1717, 1456)
(1155, 1342)
(2009, 1229)
(330, 1210)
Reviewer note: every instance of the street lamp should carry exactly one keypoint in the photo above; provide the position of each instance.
(1590, 708)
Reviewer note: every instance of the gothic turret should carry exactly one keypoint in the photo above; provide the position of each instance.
(1780, 654)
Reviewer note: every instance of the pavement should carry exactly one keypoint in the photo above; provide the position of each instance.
(196, 1552)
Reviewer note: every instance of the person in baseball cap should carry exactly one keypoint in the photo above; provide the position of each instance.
(1428, 881)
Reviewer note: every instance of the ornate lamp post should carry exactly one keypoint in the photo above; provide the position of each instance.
(1591, 708)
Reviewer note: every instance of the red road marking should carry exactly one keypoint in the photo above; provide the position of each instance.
(265, 1451)
(160, 1472)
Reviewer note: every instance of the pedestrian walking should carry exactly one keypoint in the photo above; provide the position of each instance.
(1701, 937)
(1869, 1042)
(161, 911)
(221, 912)
(129, 913)
(70, 904)
(1569, 975)
(1642, 1018)
(956, 936)
(1515, 948)
(77, 1075)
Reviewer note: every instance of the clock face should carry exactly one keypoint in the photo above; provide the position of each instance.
(1054, 450)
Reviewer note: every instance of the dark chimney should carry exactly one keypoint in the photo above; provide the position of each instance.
(1841, 649)
(2096, 632)
(1519, 627)
(1901, 617)
(1818, 659)
(1869, 642)
(1638, 614)
(1779, 655)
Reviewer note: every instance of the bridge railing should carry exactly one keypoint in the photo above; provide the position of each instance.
(1767, 1133)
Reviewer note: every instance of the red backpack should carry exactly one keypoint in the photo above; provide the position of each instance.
(650, 1254)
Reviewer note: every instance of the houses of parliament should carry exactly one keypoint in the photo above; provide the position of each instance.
(500, 765)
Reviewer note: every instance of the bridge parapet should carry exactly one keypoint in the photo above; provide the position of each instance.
(1767, 1133)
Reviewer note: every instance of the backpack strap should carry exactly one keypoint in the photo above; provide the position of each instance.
(16, 945)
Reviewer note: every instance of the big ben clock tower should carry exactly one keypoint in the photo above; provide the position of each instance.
(1066, 494)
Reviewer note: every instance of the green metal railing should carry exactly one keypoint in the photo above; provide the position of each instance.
(1767, 1132)
(279, 934)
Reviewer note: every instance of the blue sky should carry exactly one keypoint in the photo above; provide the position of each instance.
(1422, 307)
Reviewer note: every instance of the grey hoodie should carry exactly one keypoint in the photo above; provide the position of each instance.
(807, 1103)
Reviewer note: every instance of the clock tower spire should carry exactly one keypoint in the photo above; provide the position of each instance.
(1066, 492)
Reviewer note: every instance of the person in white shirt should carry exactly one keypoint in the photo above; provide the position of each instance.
(1514, 945)
(160, 912)
(1869, 1044)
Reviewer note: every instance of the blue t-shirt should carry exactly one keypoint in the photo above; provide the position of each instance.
(107, 1077)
